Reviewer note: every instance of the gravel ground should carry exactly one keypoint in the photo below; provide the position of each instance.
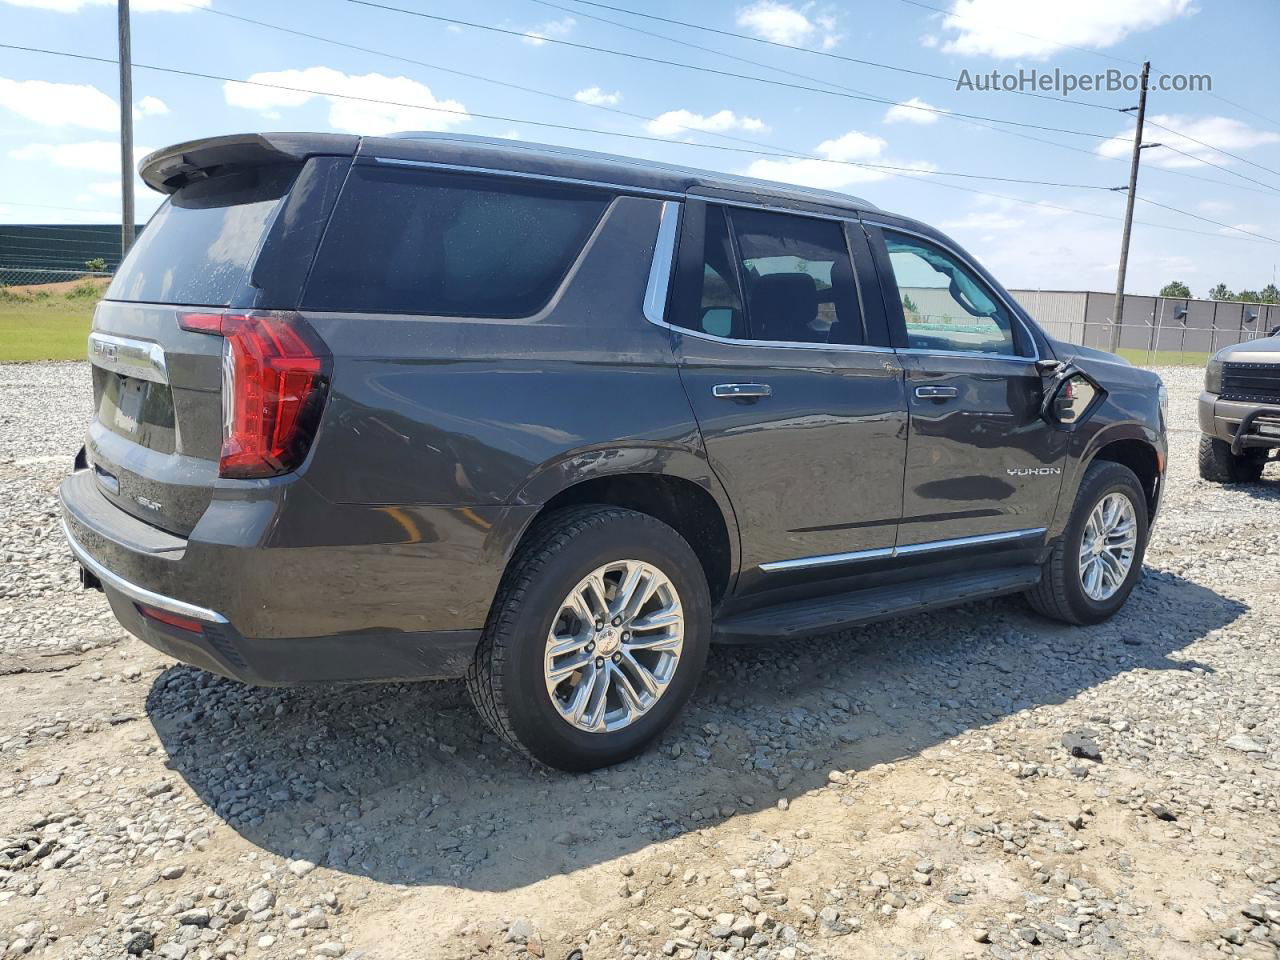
(972, 783)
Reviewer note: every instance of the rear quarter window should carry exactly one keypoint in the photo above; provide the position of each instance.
(407, 240)
(200, 246)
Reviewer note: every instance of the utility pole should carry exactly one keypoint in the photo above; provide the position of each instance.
(126, 130)
(1117, 312)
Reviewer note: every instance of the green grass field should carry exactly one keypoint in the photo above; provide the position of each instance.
(46, 325)
(1164, 358)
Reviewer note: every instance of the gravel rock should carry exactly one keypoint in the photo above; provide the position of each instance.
(920, 787)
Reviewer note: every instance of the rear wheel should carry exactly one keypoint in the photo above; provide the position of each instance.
(596, 639)
(1219, 465)
(1098, 559)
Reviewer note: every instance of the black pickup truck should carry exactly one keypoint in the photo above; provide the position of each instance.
(555, 421)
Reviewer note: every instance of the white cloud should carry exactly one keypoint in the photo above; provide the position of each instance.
(597, 97)
(914, 110)
(673, 122)
(1223, 132)
(782, 23)
(151, 107)
(99, 156)
(1234, 230)
(353, 116)
(551, 29)
(1016, 28)
(60, 104)
(929, 41)
(135, 6)
(835, 171)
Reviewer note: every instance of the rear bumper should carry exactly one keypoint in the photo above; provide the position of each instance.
(1222, 418)
(277, 615)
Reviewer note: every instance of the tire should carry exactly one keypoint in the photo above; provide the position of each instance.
(1219, 465)
(507, 679)
(1061, 594)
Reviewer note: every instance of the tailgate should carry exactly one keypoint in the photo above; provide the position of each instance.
(157, 430)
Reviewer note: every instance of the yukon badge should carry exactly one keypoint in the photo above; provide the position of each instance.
(1033, 471)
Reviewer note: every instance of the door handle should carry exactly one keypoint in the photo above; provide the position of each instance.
(742, 391)
(937, 393)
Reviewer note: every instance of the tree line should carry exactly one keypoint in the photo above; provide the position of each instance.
(1268, 294)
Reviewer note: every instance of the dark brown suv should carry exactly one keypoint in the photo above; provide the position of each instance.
(425, 407)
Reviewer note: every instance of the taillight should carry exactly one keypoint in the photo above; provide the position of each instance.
(274, 384)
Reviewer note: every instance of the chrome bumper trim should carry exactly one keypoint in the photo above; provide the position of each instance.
(135, 592)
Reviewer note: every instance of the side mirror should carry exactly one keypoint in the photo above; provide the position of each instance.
(1074, 399)
(1069, 393)
(1275, 332)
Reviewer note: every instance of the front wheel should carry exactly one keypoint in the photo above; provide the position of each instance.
(596, 639)
(1096, 563)
(1219, 465)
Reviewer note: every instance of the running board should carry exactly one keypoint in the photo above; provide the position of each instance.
(801, 618)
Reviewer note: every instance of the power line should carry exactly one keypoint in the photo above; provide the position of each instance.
(1095, 53)
(917, 175)
(788, 46)
(1218, 223)
(1227, 153)
(721, 73)
(628, 113)
(755, 151)
(962, 118)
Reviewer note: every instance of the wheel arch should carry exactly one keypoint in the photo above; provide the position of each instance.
(673, 485)
(1131, 445)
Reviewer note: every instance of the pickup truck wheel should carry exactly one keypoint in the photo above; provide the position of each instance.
(596, 639)
(1219, 465)
(1098, 559)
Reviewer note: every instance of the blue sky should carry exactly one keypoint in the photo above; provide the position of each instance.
(59, 119)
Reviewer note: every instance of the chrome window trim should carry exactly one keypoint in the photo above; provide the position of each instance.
(911, 549)
(525, 175)
(135, 592)
(1013, 311)
(140, 359)
(850, 217)
(663, 264)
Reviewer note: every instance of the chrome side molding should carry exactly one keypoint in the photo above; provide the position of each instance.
(913, 549)
(140, 359)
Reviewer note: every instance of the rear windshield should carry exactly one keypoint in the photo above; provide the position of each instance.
(416, 241)
(199, 247)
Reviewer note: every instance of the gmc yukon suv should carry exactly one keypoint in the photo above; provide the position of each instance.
(1240, 411)
(554, 421)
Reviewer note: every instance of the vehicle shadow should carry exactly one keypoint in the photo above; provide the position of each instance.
(403, 784)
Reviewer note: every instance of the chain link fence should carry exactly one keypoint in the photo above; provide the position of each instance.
(1156, 330)
(32, 281)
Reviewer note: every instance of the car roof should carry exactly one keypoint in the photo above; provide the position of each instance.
(588, 165)
(167, 170)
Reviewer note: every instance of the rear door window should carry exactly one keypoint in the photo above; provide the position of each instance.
(417, 241)
(200, 246)
(798, 278)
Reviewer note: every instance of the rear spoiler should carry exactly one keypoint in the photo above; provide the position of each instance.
(173, 167)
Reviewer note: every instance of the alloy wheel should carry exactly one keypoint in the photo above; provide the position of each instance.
(1108, 546)
(614, 646)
